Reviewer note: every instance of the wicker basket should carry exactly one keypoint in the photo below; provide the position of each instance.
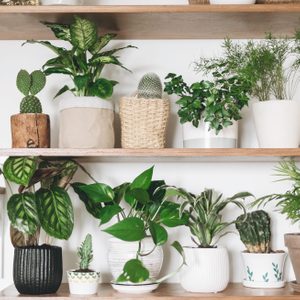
(143, 122)
(276, 1)
(199, 1)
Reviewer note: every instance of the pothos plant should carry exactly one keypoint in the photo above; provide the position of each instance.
(85, 60)
(42, 200)
(149, 213)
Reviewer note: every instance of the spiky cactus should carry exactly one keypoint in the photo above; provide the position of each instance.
(29, 85)
(85, 253)
(150, 87)
(255, 231)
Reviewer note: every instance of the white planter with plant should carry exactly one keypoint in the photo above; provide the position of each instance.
(263, 268)
(84, 281)
(83, 63)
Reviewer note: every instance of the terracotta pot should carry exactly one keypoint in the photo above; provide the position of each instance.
(292, 241)
(30, 130)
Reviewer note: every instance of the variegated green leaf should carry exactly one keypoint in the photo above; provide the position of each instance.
(61, 31)
(102, 42)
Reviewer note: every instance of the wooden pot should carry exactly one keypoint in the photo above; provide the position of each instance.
(30, 130)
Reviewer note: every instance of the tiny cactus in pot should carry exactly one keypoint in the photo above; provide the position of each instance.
(85, 254)
(150, 87)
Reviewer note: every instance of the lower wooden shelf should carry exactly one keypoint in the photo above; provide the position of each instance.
(235, 291)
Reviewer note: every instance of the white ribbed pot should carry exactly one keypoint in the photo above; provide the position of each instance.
(277, 123)
(120, 252)
(83, 283)
(207, 270)
(201, 137)
(264, 270)
(86, 122)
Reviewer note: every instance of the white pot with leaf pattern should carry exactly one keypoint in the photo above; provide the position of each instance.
(83, 283)
(264, 270)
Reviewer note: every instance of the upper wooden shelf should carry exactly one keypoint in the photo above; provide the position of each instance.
(159, 155)
(157, 21)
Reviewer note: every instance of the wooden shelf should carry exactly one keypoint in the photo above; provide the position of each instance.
(234, 291)
(156, 21)
(159, 155)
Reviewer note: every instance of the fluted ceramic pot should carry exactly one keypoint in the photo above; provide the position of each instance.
(83, 283)
(206, 271)
(37, 270)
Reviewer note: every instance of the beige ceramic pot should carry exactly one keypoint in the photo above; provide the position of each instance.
(292, 241)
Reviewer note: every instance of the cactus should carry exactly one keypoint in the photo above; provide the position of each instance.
(85, 253)
(150, 87)
(255, 231)
(29, 85)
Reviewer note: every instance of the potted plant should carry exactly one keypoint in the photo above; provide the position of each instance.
(84, 281)
(42, 202)
(86, 116)
(135, 255)
(288, 204)
(30, 128)
(207, 265)
(144, 117)
(210, 110)
(263, 267)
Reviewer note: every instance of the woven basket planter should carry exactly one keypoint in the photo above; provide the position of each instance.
(275, 1)
(143, 122)
(199, 1)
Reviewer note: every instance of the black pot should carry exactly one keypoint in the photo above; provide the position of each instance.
(37, 270)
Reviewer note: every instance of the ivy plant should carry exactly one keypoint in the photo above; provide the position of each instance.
(149, 213)
(85, 60)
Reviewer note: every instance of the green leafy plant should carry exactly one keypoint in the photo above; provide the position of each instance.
(149, 213)
(85, 60)
(150, 87)
(29, 85)
(218, 102)
(85, 254)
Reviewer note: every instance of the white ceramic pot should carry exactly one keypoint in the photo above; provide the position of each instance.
(263, 270)
(86, 122)
(207, 270)
(277, 123)
(120, 252)
(232, 1)
(201, 137)
(83, 283)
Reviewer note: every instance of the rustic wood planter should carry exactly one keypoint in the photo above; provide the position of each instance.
(30, 131)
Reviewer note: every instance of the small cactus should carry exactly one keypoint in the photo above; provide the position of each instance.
(150, 87)
(85, 253)
(29, 85)
(255, 231)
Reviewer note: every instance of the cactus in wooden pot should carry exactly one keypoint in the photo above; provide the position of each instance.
(255, 231)
(150, 87)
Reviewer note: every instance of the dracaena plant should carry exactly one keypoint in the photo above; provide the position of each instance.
(149, 213)
(85, 60)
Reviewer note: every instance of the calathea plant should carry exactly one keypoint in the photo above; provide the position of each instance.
(148, 214)
(85, 60)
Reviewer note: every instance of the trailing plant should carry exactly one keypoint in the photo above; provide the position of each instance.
(255, 231)
(85, 254)
(149, 213)
(150, 87)
(85, 60)
(218, 102)
(29, 85)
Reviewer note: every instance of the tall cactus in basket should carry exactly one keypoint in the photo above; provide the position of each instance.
(150, 87)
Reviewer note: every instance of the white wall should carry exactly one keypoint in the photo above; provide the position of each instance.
(161, 57)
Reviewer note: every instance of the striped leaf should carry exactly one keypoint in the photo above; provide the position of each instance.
(20, 169)
(55, 212)
(22, 212)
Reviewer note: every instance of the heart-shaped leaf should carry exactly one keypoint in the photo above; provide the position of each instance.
(134, 271)
(142, 181)
(98, 192)
(108, 212)
(159, 234)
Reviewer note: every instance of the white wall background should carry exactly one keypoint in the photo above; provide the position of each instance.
(161, 57)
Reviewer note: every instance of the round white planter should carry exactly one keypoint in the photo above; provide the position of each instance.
(120, 252)
(201, 137)
(81, 283)
(207, 270)
(277, 123)
(86, 122)
(232, 1)
(263, 270)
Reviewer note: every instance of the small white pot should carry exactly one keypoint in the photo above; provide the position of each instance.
(263, 270)
(277, 123)
(83, 283)
(232, 1)
(201, 137)
(86, 122)
(62, 2)
(120, 252)
(207, 270)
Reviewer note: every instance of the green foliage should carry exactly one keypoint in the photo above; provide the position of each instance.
(218, 102)
(255, 231)
(150, 87)
(85, 60)
(85, 253)
(134, 271)
(30, 85)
